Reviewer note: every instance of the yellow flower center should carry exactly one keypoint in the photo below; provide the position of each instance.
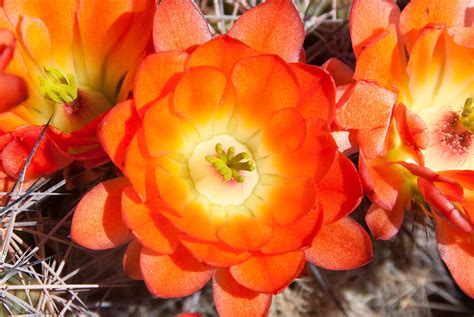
(57, 87)
(228, 164)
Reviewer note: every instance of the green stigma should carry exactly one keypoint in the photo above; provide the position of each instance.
(467, 117)
(57, 87)
(228, 164)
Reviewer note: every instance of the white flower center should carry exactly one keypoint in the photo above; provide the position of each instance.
(210, 183)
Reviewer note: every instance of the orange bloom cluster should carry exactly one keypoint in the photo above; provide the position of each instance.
(77, 59)
(230, 170)
(416, 130)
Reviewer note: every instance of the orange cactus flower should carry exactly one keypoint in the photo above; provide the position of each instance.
(78, 60)
(230, 172)
(416, 132)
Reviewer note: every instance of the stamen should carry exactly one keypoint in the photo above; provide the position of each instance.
(57, 87)
(467, 117)
(228, 164)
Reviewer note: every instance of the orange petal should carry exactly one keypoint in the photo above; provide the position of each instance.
(342, 245)
(243, 232)
(269, 273)
(294, 236)
(377, 104)
(139, 168)
(58, 19)
(123, 59)
(151, 229)
(340, 191)
(175, 275)
(384, 224)
(97, 223)
(263, 80)
(156, 76)
(274, 27)
(165, 132)
(214, 254)
(179, 25)
(290, 199)
(340, 71)
(317, 91)
(221, 52)
(234, 300)
(314, 157)
(457, 251)
(12, 91)
(196, 222)
(369, 18)
(117, 130)
(285, 132)
(7, 42)
(105, 30)
(418, 14)
(198, 95)
(131, 260)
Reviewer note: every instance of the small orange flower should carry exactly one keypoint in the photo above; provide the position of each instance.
(417, 144)
(78, 59)
(230, 170)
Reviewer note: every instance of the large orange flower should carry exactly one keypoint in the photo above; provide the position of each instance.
(417, 143)
(230, 170)
(78, 60)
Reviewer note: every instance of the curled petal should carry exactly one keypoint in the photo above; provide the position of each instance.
(234, 300)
